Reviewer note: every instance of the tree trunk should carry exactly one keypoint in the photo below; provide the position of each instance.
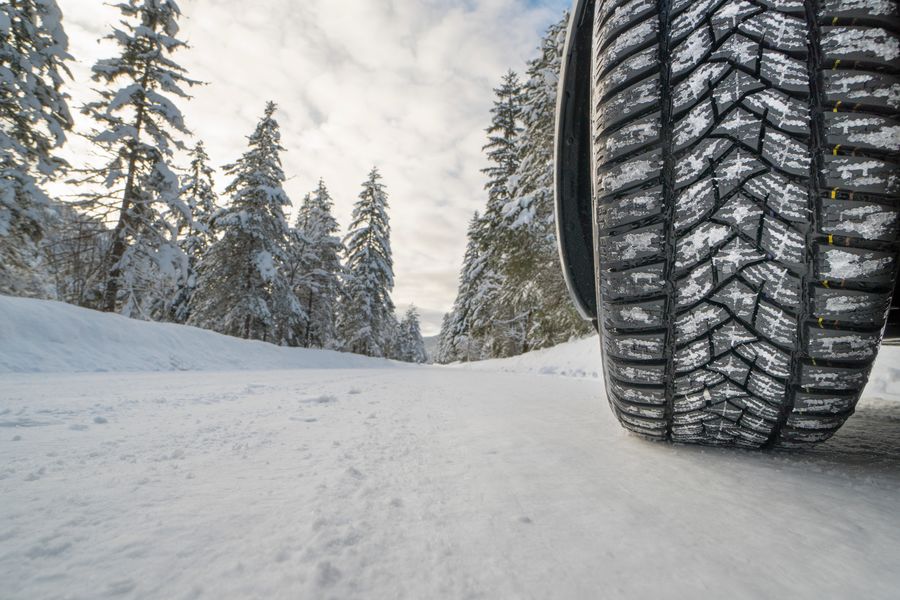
(120, 245)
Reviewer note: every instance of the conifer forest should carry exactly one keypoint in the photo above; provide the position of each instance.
(153, 230)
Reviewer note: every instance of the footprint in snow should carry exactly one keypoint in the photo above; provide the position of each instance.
(327, 574)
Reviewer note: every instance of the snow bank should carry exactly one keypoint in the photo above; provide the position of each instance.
(581, 358)
(52, 337)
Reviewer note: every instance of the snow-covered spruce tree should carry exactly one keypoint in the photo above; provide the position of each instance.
(366, 320)
(412, 346)
(195, 229)
(444, 353)
(241, 288)
(533, 285)
(315, 269)
(461, 343)
(137, 128)
(491, 322)
(34, 117)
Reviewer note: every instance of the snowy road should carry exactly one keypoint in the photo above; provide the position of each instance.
(418, 483)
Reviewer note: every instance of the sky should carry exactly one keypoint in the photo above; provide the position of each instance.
(405, 85)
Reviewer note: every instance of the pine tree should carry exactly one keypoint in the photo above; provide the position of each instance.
(533, 282)
(367, 311)
(34, 116)
(445, 352)
(412, 346)
(241, 288)
(470, 315)
(138, 128)
(195, 229)
(315, 256)
(490, 320)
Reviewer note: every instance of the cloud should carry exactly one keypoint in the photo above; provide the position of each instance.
(402, 84)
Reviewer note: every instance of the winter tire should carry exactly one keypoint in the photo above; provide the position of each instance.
(738, 183)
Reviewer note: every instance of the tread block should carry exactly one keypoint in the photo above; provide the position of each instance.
(625, 42)
(630, 101)
(786, 153)
(865, 220)
(629, 208)
(696, 380)
(817, 377)
(695, 286)
(855, 88)
(693, 356)
(742, 214)
(621, 177)
(862, 131)
(639, 395)
(861, 308)
(622, 17)
(776, 282)
(649, 279)
(822, 404)
(636, 245)
(693, 202)
(730, 336)
(779, 326)
(767, 358)
(788, 199)
(631, 137)
(694, 125)
(734, 256)
(631, 315)
(783, 243)
(740, 299)
(789, 114)
(690, 52)
(635, 346)
(814, 422)
(697, 84)
(862, 174)
(784, 72)
(698, 321)
(863, 44)
(779, 30)
(740, 125)
(832, 344)
(699, 243)
(637, 373)
(629, 71)
(859, 8)
(855, 264)
(767, 388)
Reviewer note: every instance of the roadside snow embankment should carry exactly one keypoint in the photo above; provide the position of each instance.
(39, 336)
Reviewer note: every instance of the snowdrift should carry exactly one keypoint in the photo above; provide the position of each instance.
(52, 337)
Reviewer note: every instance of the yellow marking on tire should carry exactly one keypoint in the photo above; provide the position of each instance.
(836, 106)
(825, 283)
(836, 148)
(836, 63)
(821, 322)
(834, 193)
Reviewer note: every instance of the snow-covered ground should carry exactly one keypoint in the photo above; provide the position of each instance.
(277, 473)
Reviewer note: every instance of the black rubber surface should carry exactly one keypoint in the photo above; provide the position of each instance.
(747, 199)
